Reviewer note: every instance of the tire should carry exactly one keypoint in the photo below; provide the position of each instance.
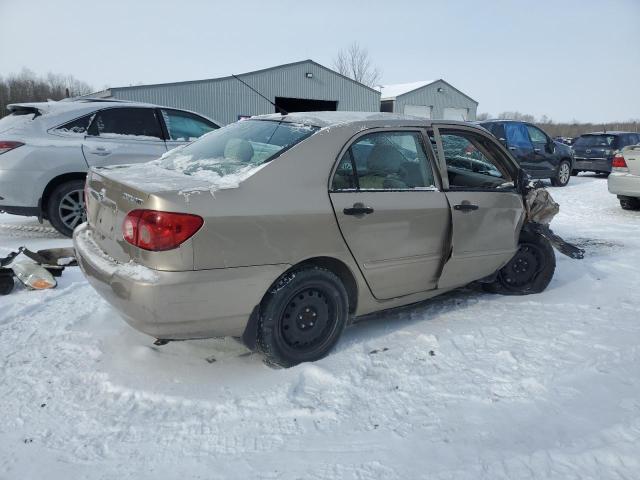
(65, 208)
(574, 172)
(630, 203)
(302, 317)
(529, 271)
(6, 284)
(564, 174)
(604, 174)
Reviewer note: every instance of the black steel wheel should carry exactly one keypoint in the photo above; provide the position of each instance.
(629, 203)
(302, 316)
(529, 271)
(65, 208)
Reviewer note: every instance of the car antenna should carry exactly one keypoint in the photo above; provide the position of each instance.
(280, 110)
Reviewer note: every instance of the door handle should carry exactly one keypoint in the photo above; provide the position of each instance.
(537, 150)
(466, 207)
(512, 149)
(358, 209)
(100, 151)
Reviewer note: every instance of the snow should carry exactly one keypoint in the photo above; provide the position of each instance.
(390, 92)
(465, 386)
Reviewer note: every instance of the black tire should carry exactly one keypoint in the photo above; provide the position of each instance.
(6, 284)
(630, 203)
(65, 208)
(563, 174)
(529, 271)
(302, 317)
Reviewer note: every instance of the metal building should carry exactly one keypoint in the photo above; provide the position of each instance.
(434, 99)
(295, 87)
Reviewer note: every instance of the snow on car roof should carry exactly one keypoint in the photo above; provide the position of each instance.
(325, 119)
(390, 92)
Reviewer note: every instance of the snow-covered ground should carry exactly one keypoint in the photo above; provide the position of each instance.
(466, 386)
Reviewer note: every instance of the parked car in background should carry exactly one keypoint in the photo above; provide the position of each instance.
(594, 152)
(537, 153)
(624, 180)
(379, 211)
(47, 148)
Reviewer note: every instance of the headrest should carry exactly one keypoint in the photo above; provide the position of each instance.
(384, 159)
(238, 149)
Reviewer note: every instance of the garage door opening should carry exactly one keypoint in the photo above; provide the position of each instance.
(305, 105)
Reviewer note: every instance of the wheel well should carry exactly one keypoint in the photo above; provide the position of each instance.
(341, 270)
(59, 180)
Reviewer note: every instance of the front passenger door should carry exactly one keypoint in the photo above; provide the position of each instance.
(486, 210)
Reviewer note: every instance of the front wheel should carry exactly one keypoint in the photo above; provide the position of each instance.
(630, 203)
(65, 208)
(529, 271)
(302, 316)
(563, 175)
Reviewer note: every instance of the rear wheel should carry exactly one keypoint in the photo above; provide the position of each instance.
(529, 271)
(302, 317)
(65, 208)
(630, 203)
(6, 284)
(563, 175)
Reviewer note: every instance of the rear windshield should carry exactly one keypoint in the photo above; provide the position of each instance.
(604, 141)
(15, 120)
(236, 148)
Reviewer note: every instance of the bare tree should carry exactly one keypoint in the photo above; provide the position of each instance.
(483, 116)
(26, 86)
(355, 63)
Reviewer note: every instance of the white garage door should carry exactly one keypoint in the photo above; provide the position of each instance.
(460, 114)
(422, 111)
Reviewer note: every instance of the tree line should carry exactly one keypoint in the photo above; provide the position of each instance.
(26, 86)
(566, 129)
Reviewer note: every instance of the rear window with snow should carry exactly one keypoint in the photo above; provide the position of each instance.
(236, 148)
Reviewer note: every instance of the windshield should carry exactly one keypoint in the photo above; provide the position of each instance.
(604, 141)
(236, 148)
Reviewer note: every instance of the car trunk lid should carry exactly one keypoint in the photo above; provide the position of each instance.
(114, 191)
(632, 159)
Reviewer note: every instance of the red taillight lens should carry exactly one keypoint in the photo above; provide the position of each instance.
(159, 231)
(618, 161)
(6, 146)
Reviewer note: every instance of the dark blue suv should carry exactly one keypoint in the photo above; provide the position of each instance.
(537, 153)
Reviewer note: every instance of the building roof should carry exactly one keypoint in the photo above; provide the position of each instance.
(108, 91)
(390, 92)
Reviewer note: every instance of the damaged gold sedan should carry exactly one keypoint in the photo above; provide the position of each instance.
(281, 228)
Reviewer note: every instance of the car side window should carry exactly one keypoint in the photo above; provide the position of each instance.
(517, 135)
(118, 122)
(536, 135)
(385, 161)
(184, 126)
(77, 126)
(472, 161)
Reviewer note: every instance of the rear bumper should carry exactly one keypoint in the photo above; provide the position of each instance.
(624, 184)
(593, 164)
(175, 305)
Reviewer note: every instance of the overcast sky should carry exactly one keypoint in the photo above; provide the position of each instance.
(566, 59)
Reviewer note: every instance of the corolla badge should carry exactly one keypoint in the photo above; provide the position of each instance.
(132, 199)
(588, 150)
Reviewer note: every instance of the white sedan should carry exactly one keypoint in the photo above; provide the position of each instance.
(624, 180)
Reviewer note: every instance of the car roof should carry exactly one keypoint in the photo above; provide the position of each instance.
(614, 132)
(327, 119)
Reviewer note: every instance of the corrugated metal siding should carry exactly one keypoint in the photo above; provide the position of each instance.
(429, 96)
(226, 98)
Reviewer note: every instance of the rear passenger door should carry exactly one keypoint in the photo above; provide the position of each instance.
(486, 210)
(123, 135)
(520, 145)
(391, 212)
(544, 155)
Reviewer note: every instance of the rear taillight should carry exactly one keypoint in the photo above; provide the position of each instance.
(618, 163)
(159, 231)
(5, 146)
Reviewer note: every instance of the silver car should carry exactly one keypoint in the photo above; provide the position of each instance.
(279, 229)
(47, 148)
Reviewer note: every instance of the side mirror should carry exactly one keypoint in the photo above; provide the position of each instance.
(503, 141)
(551, 146)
